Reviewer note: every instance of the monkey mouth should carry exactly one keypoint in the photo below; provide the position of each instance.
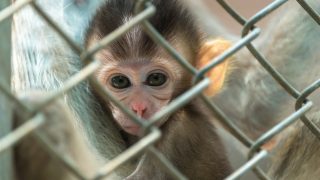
(133, 130)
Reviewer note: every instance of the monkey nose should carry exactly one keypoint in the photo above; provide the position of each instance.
(139, 109)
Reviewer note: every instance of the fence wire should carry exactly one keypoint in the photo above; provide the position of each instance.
(144, 9)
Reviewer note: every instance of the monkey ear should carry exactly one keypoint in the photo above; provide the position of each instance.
(217, 75)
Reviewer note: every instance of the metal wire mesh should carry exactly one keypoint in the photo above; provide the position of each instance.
(144, 10)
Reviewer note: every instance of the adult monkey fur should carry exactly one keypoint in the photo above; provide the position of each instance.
(298, 155)
(250, 76)
(291, 45)
(60, 133)
(253, 99)
(40, 64)
(182, 137)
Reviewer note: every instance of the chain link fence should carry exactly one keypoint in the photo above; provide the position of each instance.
(144, 10)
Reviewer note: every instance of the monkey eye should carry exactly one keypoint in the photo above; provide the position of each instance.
(156, 79)
(120, 82)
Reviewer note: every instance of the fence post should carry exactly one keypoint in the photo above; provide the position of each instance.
(6, 171)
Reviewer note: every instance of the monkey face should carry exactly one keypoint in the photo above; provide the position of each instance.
(143, 86)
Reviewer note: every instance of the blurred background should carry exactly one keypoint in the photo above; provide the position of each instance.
(246, 8)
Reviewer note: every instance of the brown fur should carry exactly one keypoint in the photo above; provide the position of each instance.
(191, 143)
(298, 157)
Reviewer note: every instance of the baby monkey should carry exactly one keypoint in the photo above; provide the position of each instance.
(145, 78)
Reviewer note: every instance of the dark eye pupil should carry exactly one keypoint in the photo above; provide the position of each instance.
(120, 82)
(156, 79)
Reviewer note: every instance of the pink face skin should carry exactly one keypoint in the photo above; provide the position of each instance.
(144, 87)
